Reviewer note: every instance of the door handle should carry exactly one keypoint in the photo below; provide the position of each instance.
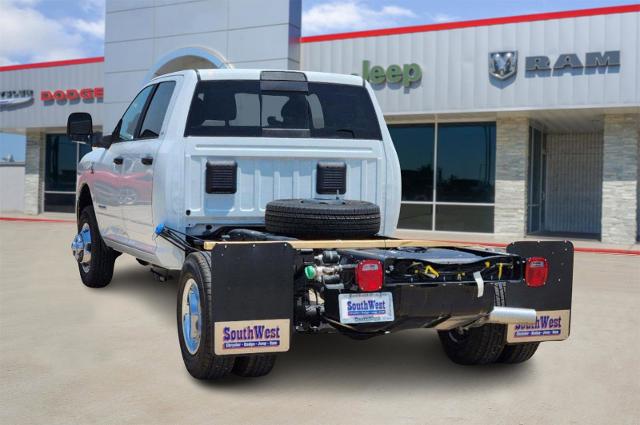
(146, 160)
(118, 160)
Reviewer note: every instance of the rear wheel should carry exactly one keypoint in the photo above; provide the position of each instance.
(254, 366)
(518, 353)
(479, 345)
(95, 258)
(474, 346)
(195, 320)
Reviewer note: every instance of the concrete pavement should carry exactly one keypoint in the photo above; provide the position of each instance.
(70, 354)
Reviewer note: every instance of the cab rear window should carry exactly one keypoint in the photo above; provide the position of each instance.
(241, 108)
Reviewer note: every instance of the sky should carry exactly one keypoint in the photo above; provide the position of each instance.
(46, 30)
(43, 30)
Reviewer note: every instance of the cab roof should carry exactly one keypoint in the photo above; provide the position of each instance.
(274, 74)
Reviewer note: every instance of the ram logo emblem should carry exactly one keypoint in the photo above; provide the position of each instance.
(503, 65)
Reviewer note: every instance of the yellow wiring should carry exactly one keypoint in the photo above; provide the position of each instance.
(487, 264)
(500, 270)
(431, 270)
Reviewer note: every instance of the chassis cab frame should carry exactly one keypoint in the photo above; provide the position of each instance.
(256, 277)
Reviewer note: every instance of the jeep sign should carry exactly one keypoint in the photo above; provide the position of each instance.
(394, 74)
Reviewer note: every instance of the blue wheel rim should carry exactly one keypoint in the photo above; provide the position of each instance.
(191, 316)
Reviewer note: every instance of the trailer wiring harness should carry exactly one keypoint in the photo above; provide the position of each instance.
(425, 272)
(178, 239)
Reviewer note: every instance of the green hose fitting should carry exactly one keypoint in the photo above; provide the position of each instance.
(310, 272)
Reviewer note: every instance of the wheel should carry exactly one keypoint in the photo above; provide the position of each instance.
(195, 320)
(312, 218)
(95, 259)
(474, 346)
(479, 345)
(254, 366)
(518, 353)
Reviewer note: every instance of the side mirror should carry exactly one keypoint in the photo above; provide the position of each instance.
(80, 127)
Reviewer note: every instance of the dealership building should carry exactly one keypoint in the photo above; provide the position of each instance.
(516, 125)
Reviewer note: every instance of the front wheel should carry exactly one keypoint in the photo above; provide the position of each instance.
(195, 320)
(95, 258)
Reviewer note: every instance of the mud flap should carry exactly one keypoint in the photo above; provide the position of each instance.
(252, 299)
(552, 301)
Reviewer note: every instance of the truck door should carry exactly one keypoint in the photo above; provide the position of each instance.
(138, 168)
(108, 172)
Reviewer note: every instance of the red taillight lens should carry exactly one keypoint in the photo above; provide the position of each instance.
(536, 271)
(369, 275)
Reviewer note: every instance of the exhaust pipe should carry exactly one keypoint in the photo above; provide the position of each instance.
(512, 315)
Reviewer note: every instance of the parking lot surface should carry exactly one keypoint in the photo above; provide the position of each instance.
(70, 354)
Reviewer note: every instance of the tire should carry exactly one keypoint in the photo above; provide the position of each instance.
(254, 366)
(476, 346)
(98, 272)
(312, 218)
(200, 360)
(518, 353)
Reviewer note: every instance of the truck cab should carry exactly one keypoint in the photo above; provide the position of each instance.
(276, 194)
(203, 149)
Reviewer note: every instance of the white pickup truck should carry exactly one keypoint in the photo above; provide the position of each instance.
(276, 194)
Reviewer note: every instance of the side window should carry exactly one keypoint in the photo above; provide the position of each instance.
(131, 117)
(152, 123)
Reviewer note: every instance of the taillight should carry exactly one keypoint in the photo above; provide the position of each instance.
(536, 271)
(369, 275)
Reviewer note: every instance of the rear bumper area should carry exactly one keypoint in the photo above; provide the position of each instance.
(530, 313)
(443, 307)
(263, 284)
(453, 306)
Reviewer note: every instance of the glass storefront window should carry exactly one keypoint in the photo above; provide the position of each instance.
(416, 216)
(466, 162)
(414, 145)
(464, 218)
(59, 202)
(60, 164)
(61, 160)
(465, 176)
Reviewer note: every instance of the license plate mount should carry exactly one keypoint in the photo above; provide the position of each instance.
(370, 307)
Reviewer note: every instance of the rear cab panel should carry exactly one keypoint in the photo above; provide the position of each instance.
(271, 168)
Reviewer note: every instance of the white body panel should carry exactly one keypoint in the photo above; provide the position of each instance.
(104, 179)
(268, 169)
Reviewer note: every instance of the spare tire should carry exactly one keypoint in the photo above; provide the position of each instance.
(322, 219)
